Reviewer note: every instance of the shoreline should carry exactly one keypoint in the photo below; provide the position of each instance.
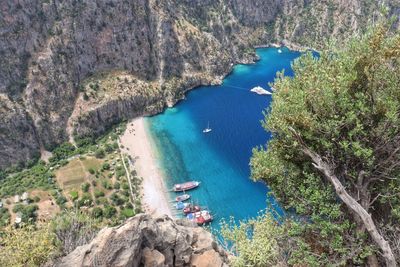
(138, 144)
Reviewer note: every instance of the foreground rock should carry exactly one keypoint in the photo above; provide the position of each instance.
(150, 242)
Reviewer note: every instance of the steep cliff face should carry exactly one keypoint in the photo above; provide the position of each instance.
(150, 242)
(50, 48)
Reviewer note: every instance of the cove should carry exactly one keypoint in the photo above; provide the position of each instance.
(220, 159)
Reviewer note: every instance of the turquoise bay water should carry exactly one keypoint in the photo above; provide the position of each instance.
(220, 159)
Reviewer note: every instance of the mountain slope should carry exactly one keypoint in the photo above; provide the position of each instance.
(76, 67)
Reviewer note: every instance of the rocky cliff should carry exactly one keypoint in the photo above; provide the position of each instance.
(149, 242)
(58, 57)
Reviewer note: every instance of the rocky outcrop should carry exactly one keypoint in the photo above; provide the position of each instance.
(149, 242)
(49, 48)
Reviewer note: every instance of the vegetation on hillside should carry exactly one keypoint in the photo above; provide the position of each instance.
(335, 155)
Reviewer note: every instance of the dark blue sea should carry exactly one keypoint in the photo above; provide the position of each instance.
(220, 159)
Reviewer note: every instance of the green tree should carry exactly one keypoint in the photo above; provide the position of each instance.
(99, 153)
(335, 152)
(97, 212)
(109, 211)
(85, 187)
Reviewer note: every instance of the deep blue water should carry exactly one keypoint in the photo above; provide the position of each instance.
(220, 159)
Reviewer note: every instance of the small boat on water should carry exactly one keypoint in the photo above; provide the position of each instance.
(260, 91)
(200, 217)
(279, 51)
(208, 129)
(191, 209)
(180, 205)
(182, 198)
(186, 186)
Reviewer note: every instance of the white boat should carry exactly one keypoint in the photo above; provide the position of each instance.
(208, 129)
(260, 91)
(279, 51)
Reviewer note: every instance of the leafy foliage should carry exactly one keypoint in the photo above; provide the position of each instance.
(255, 241)
(345, 107)
(28, 246)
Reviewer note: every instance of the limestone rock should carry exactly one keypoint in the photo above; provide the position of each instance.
(152, 258)
(149, 242)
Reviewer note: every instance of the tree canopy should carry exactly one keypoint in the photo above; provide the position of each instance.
(334, 157)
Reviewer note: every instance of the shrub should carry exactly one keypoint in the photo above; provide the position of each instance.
(73, 229)
(99, 153)
(60, 200)
(91, 171)
(109, 148)
(35, 246)
(85, 201)
(116, 199)
(85, 187)
(98, 194)
(74, 195)
(117, 185)
(127, 213)
(105, 166)
(97, 212)
(109, 211)
(106, 184)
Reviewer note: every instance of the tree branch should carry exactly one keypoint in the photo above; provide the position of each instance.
(350, 202)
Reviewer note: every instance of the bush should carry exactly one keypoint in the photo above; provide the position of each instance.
(98, 194)
(109, 211)
(36, 199)
(99, 153)
(85, 201)
(109, 148)
(127, 213)
(63, 151)
(35, 246)
(255, 241)
(116, 199)
(4, 217)
(60, 200)
(97, 212)
(73, 229)
(85, 187)
(106, 184)
(105, 166)
(125, 186)
(117, 185)
(91, 171)
(74, 195)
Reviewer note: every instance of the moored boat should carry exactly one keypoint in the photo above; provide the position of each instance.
(260, 91)
(182, 198)
(180, 205)
(208, 129)
(200, 217)
(186, 186)
(191, 209)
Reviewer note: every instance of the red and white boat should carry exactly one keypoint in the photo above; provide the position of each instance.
(200, 217)
(182, 198)
(191, 209)
(186, 186)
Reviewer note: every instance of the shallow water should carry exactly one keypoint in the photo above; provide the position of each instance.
(220, 159)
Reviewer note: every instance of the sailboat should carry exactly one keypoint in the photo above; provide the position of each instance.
(208, 129)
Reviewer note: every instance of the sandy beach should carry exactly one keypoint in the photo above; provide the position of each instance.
(138, 144)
